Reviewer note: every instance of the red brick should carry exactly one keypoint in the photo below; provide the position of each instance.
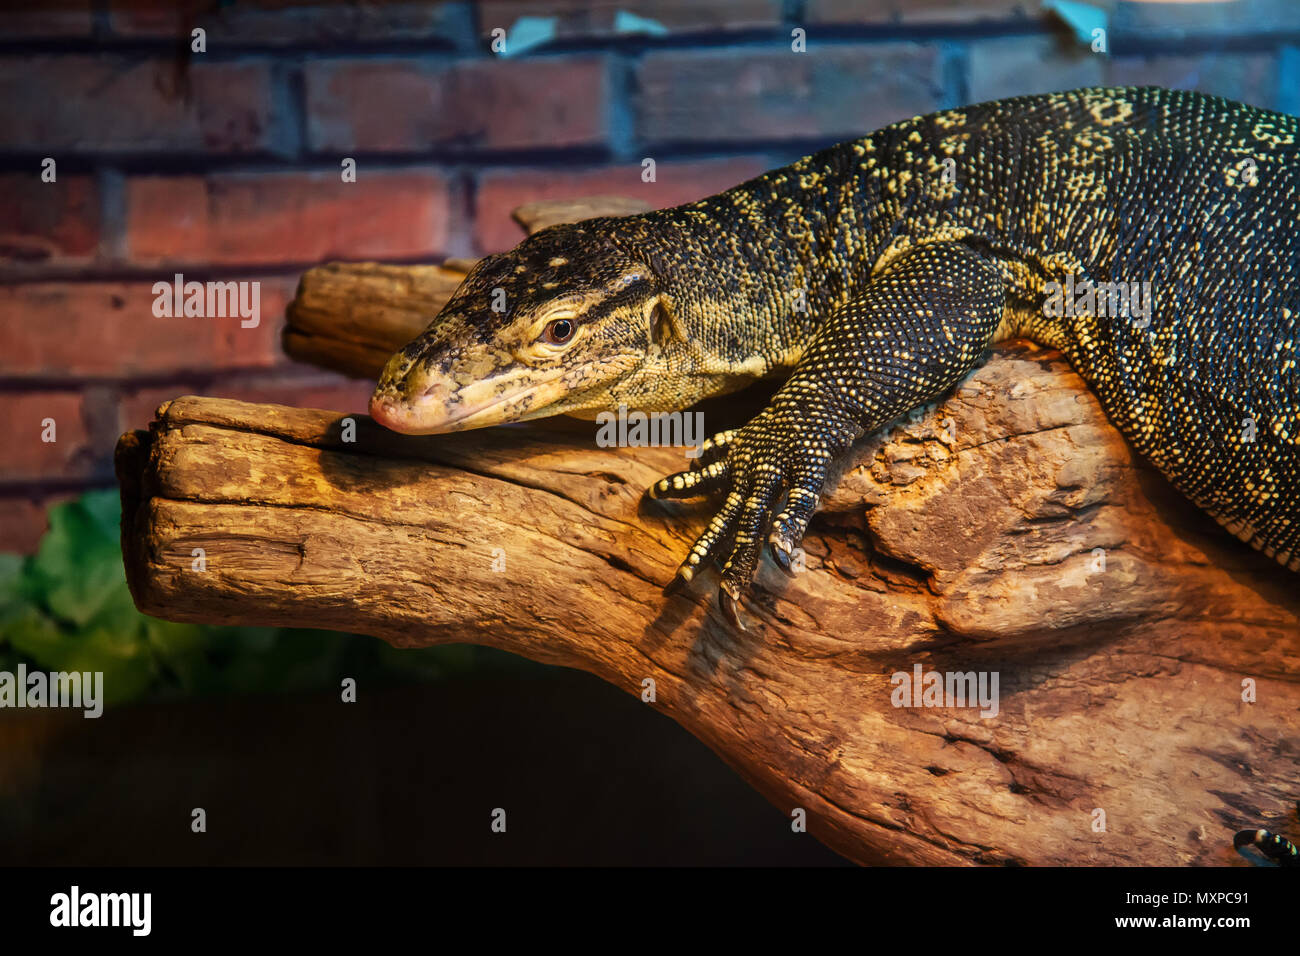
(1147, 23)
(27, 458)
(111, 104)
(501, 191)
(152, 18)
(24, 521)
(405, 105)
(333, 393)
(280, 23)
(45, 222)
(1023, 65)
(827, 93)
(136, 406)
(606, 19)
(880, 12)
(1246, 77)
(307, 389)
(243, 218)
(54, 19)
(102, 330)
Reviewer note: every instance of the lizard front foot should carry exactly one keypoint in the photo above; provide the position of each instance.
(775, 456)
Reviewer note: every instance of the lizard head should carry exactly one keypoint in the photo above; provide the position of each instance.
(549, 328)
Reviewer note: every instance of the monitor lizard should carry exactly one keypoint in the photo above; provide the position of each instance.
(1151, 236)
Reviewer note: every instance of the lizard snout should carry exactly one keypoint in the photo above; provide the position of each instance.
(387, 412)
(425, 410)
(410, 415)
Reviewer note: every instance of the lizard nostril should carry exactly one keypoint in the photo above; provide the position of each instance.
(434, 392)
(384, 411)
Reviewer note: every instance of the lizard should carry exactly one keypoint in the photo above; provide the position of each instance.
(876, 273)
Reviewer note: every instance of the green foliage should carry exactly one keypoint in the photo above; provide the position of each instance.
(68, 608)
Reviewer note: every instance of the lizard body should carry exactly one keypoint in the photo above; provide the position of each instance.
(878, 271)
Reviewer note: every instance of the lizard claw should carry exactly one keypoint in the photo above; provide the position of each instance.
(781, 558)
(677, 585)
(730, 604)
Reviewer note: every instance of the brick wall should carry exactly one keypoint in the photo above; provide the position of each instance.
(225, 164)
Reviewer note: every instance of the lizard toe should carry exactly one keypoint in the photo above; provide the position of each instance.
(709, 545)
(713, 449)
(692, 484)
(738, 572)
(789, 527)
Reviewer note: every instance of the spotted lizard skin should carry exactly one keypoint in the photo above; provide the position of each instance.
(878, 271)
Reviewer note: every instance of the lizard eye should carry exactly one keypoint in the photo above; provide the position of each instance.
(559, 332)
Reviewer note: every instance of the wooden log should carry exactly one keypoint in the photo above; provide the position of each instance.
(535, 216)
(351, 316)
(1009, 532)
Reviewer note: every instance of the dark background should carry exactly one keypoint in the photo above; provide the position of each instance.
(407, 775)
(225, 164)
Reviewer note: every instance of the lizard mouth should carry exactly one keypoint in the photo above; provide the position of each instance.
(438, 409)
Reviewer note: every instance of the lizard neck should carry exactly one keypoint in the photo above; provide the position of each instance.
(738, 303)
(752, 273)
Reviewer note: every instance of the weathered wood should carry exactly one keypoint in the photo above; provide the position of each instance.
(963, 540)
(535, 216)
(351, 316)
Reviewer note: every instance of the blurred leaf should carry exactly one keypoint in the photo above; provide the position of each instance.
(37, 637)
(105, 509)
(117, 611)
(11, 570)
(78, 566)
(182, 649)
(123, 659)
(12, 596)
